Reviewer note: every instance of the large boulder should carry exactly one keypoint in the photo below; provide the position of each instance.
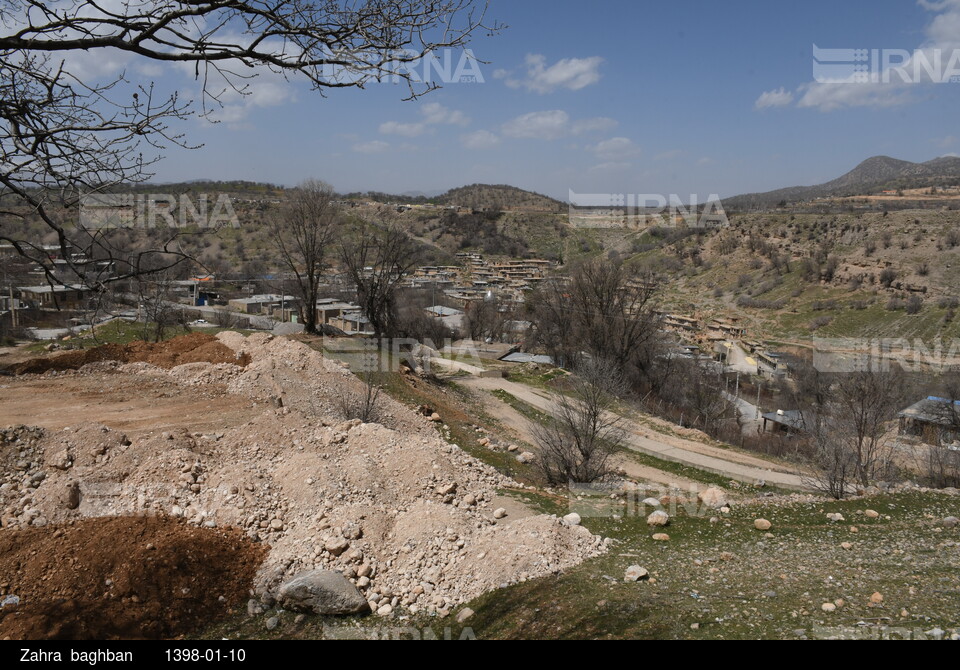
(322, 592)
(713, 498)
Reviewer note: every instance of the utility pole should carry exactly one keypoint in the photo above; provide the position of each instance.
(14, 319)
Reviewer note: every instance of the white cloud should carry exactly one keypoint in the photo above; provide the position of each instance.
(612, 166)
(433, 113)
(778, 98)
(374, 147)
(570, 73)
(667, 155)
(831, 97)
(402, 129)
(554, 124)
(549, 125)
(616, 148)
(481, 139)
(594, 125)
(889, 89)
(946, 142)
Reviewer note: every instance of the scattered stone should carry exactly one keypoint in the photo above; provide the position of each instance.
(828, 607)
(872, 514)
(465, 615)
(876, 599)
(652, 502)
(499, 513)
(572, 519)
(661, 537)
(950, 522)
(658, 519)
(322, 592)
(526, 457)
(762, 524)
(713, 498)
(847, 546)
(635, 573)
(272, 623)
(836, 517)
(337, 546)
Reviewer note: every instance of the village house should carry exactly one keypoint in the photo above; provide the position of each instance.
(55, 297)
(261, 304)
(935, 421)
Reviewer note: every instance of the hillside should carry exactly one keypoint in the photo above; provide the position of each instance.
(500, 198)
(871, 176)
(792, 276)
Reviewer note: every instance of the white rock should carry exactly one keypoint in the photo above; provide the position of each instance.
(658, 519)
(713, 498)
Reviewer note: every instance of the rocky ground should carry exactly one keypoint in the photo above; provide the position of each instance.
(411, 521)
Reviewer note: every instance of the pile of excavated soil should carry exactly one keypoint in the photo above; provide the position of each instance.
(404, 515)
(126, 578)
(193, 348)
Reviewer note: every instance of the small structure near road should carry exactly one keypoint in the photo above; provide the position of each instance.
(789, 422)
(936, 421)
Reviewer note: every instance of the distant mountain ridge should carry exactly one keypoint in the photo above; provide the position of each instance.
(871, 176)
(499, 197)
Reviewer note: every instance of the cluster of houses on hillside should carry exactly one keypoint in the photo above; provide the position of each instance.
(476, 278)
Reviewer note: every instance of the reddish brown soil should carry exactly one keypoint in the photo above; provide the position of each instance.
(122, 578)
(193, 348)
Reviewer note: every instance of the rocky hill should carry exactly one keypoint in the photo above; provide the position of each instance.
(871, 176)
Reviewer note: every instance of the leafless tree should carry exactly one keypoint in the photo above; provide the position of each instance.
(159, 312)
(576, 441)
(363, 404)
(487, 318)
(851, 435)
(377, 260)
(832, 469)
(224, 318)
(63, 135)
(302, 233)
(554, 328)
(606, 311)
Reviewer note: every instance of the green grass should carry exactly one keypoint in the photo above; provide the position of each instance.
(125, 332)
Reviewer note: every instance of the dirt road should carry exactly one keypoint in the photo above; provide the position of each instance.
(728, 463)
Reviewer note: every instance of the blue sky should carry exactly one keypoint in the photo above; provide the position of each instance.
(608, 97)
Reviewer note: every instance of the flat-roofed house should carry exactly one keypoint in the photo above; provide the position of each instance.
(936, 421)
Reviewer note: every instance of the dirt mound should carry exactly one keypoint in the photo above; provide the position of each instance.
(407, 517)
(125, 577)
(193, 348)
